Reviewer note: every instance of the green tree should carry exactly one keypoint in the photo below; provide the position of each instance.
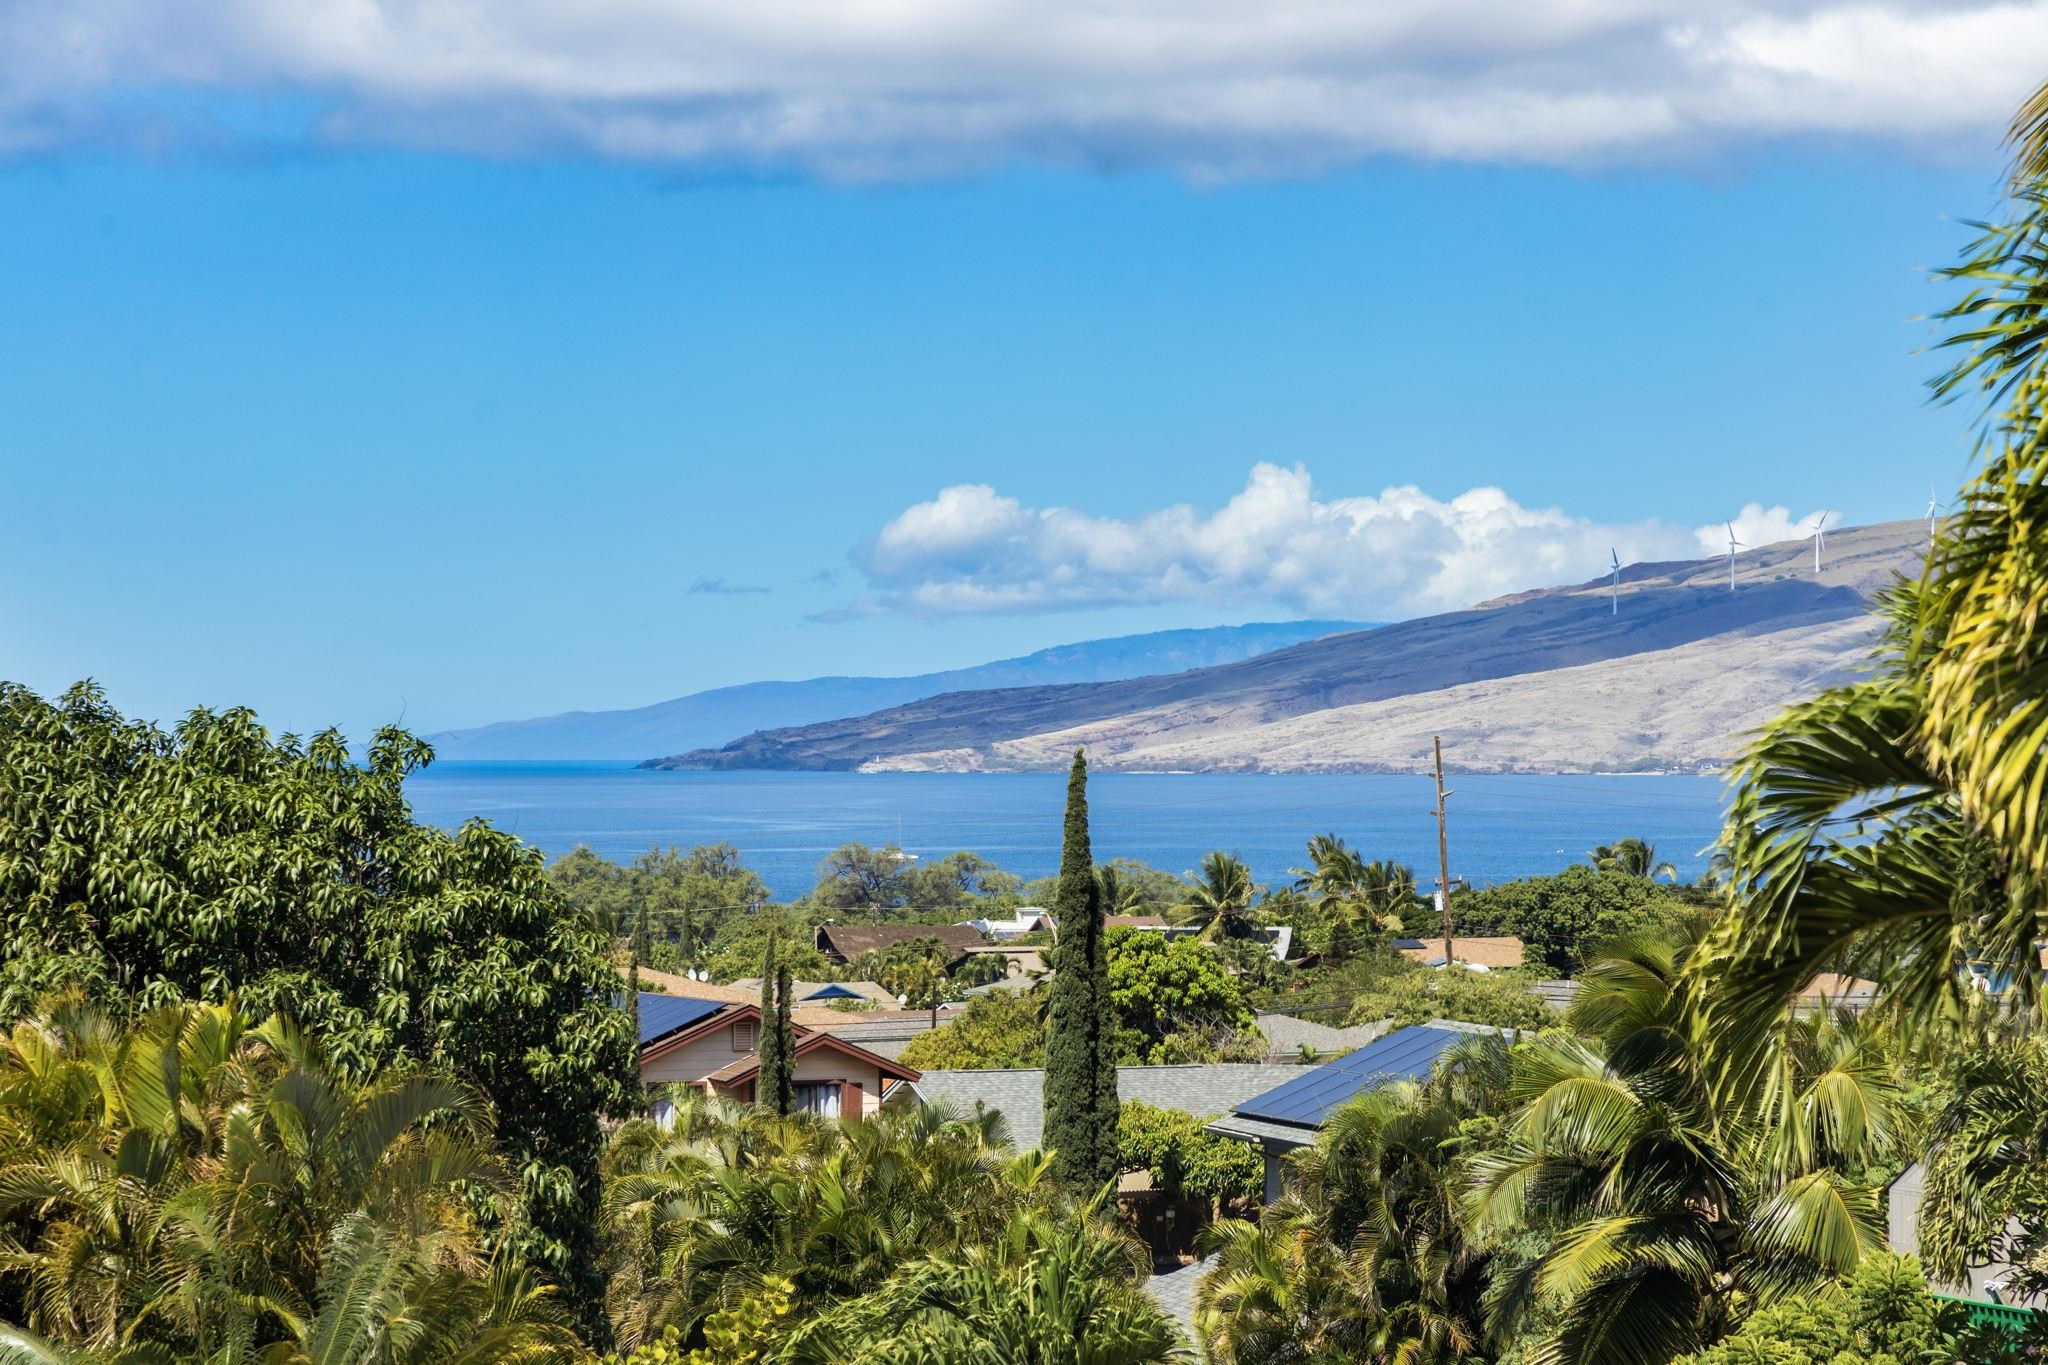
(1673, 1174)
(1081, 1103)
(775, 1082)
(1561, 918)
(742, 944)
(1632, 857)
(1367, 1256)
(862, 883)
(1162, 989)
(999, 1030)
(212, 862)
(1220, 900)
(963, 883)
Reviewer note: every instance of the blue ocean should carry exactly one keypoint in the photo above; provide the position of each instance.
(1501, 827)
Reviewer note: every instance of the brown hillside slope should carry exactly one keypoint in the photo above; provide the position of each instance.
(1683, 668)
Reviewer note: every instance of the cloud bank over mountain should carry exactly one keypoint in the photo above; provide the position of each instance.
(892, 89)
(973, 550)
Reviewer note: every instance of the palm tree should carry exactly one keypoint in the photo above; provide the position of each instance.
(700, 1211)
(1986, 1193)
(1366, 1256)
(1892, 827)
(1352, 892)
(197, 1187)
(1632, 857)
(1048, 1290)
(1221, 899)
(1673, 1173)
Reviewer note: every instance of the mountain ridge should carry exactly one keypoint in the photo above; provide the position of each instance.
(716, 715)
(1664, 663)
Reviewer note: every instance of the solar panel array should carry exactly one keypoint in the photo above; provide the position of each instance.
(1404, 1055)
(661, 1015)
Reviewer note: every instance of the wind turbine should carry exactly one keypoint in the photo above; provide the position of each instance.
(1932, 505)
(1615, 600)
(1820, 538)
(1733, 546)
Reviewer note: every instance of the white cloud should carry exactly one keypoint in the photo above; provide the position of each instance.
(1757, 525)
(971, 549)
(891, 88)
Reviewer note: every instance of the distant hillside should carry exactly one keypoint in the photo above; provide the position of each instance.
(704, 719)
(1549, 681)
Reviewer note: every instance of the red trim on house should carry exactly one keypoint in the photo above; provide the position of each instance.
(738, 1071)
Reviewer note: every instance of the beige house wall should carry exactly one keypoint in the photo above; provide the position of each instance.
(699, 1057)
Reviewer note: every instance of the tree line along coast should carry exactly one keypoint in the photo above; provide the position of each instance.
(290, 1076)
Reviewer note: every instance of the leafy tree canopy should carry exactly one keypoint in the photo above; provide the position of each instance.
(1184, 1158)
(214, 861)
(1562, 917)
(1162, 988)
(1000, 1029)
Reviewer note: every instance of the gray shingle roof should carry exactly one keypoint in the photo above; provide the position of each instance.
(1201, 1090)
(1174, 1292)
(1286, 1034)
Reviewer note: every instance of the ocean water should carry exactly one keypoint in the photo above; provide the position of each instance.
(1501, 827)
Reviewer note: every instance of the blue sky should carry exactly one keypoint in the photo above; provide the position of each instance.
(349, 428)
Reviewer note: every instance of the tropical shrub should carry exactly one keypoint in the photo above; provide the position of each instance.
(1183, 1158)
(199, 1187)
(1415, 995)
(1367, 1256)
(1882, 1315)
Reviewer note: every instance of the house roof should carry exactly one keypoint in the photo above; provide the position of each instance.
(719, 1016)
(1019, 1093)
(1837, 987)
(851, 940)
(813, 1042)
(1284, 1034)
(1301, 1103)
(673, 984)
(809, 990)
(1502, 951)
(1134, 921)
(661, 1015)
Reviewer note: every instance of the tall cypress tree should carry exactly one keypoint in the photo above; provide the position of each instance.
(1081, 1105)
(769, 1047)
(785, 1045)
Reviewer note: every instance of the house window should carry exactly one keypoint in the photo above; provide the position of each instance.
(743, 1036)
(819, 1097)
(664, 1114)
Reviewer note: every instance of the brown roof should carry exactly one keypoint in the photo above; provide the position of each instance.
(1135, 921)
(668, 983)
(1835, 986)
(851, 940)
(1503, 951)
(746, 1066)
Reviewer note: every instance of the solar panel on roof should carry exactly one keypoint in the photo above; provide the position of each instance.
(834, 991)
(1404, 1055)
(661, 1015)
(1407, 943)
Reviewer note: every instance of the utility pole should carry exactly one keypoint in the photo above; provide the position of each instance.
(1443, 851)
